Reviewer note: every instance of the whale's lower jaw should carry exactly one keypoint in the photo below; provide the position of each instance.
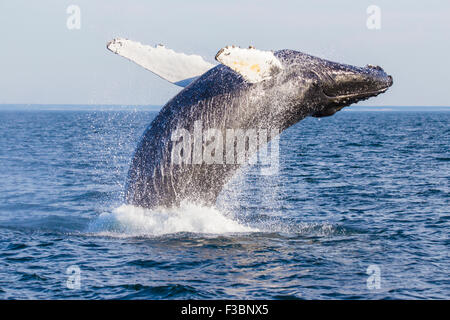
(355, 97)
(337, 103)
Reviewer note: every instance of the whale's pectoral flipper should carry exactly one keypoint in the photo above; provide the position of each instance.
(252, 64)
(177, 68)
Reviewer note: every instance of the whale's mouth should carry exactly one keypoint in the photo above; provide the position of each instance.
(338, 97)
(353, 97)
(356, 85)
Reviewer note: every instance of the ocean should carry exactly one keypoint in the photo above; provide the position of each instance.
(359, 209)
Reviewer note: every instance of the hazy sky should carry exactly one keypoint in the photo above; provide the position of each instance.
(42, 61)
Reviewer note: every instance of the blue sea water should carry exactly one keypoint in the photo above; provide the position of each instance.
(354, 190)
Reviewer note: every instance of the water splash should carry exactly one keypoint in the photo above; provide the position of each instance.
(128, 220)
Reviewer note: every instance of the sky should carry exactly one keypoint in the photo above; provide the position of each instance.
(42, 61)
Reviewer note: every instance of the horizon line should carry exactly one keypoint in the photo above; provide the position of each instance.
(161, 105)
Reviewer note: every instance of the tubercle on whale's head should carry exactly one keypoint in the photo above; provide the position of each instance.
(337, 85)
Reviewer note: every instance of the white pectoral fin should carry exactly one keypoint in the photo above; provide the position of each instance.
(177, 68)
(252, 64)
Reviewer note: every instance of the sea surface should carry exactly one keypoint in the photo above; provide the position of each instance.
(359, 209)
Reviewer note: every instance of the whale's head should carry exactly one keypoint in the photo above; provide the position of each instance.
(333, 85)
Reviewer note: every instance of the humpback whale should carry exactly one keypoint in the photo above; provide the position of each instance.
(248, 89)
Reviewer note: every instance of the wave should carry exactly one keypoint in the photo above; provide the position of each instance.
(128, 220)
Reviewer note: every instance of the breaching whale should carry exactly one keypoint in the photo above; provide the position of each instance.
(248, 90)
